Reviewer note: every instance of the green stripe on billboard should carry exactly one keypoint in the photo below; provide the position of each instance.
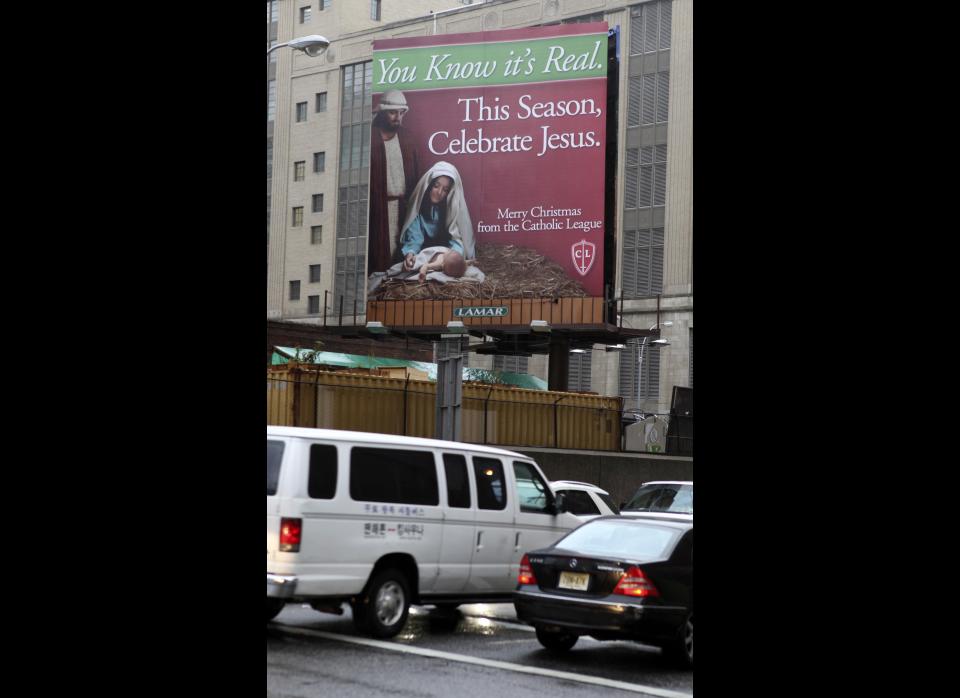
(501, 63)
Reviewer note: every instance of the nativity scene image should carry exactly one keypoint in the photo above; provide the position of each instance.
(435, 256)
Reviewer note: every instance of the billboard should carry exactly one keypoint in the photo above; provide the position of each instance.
(487, 165)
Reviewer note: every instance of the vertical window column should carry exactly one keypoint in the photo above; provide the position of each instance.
(645, 167)
(351, 233)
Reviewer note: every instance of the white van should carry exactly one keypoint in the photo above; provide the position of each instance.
(381, 522)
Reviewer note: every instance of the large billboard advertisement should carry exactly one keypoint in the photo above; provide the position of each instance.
(487, 164)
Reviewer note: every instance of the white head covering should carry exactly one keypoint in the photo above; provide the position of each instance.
(458, 218)
(393, 99)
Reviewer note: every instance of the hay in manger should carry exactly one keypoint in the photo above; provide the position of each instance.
(511, 272)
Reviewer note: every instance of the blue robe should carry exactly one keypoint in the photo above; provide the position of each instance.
(425, 233)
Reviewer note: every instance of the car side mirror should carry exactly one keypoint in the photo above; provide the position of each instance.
(559, 503)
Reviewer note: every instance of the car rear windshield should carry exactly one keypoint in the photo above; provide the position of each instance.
(622, 539)
(274, 455)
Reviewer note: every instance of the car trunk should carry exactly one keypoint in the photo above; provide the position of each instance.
(575, 575)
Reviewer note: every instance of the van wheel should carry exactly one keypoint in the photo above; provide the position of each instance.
(556, 642)
(274, 606)
(382, 610)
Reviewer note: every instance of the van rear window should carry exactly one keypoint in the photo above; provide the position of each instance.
(322, 483)
(274, 456)
(392, 475)
(458, 488)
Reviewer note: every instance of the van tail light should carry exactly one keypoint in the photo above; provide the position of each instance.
(290, 530)
(526, 575)
(635, 583)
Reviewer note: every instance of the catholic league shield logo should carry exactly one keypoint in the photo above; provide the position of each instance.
(583, 253)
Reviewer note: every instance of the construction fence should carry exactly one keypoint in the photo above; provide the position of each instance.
(299, 395)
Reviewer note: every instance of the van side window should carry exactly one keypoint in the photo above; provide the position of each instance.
(274, 455)
(491, 489)
(532, 492)
(458, 488)
(391, 475)
(323, 471)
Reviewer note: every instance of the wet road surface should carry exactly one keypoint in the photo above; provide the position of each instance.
(303, 660)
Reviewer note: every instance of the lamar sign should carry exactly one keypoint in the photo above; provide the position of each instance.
(485, 144)
(481, 311)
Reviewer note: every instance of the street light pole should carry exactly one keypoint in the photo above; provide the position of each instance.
(659, 343)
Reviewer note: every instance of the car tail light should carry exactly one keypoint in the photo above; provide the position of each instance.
(290, 530)
(526, 575)
(635, 583)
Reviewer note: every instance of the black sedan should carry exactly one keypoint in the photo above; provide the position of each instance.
(613, 578)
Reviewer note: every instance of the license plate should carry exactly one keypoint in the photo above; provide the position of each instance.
(574, 580)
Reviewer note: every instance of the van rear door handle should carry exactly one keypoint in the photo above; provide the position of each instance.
(479, 537)
(516, 543)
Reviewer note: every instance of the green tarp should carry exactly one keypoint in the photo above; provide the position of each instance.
(283, 355)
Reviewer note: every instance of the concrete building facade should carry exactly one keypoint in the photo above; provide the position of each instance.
(319, 152)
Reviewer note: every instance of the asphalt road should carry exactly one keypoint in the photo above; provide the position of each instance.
(484, 651)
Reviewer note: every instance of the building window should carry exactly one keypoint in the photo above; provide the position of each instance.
(316, 234)
(297, 216)
(305, 14)
(314, 273)
(375, 10)
(642, 262)
(325, 4)
(294, 290)
(317, 203)
(313, 305)
(510, 364)
(650, 27)
(319, 162)
(299, 168)
(645, 177)
(639, 373)
(269, 161)
(301, 111)
(321, 102)
(271, 100)
(578, 372)
(649, 99)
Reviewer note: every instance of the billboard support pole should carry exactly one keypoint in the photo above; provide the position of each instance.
(558, 369)
(449, 387)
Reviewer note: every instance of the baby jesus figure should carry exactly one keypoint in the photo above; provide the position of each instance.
(449, 262)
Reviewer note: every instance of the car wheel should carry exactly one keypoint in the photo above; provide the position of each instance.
(556, 642)
(274, 606)
(382, 610)
(681, 649)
